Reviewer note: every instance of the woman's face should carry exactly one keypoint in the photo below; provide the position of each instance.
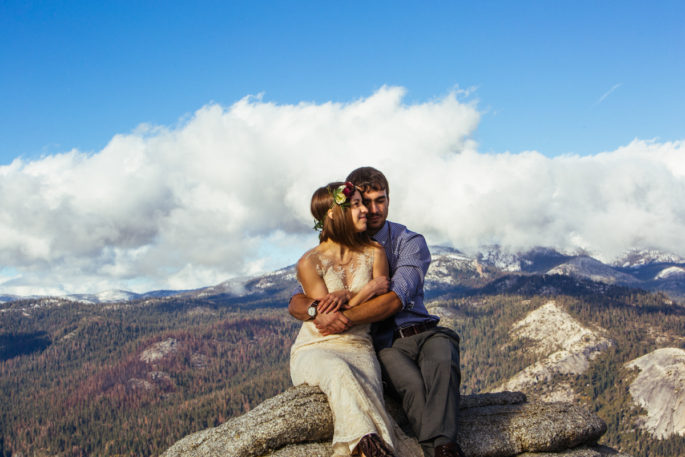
(358, 212)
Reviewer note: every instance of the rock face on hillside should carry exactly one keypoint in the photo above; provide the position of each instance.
(564, 345)
(298, 422)
(660, 389)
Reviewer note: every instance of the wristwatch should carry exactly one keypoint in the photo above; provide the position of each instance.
(312, 309)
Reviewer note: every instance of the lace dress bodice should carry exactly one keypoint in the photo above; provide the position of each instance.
(351, 276)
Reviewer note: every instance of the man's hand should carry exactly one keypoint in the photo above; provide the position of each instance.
(332, 302)
(331, 323)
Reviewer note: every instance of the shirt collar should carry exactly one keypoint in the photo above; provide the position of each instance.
(383, 235)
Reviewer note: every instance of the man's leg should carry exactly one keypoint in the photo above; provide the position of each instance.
(399, 363)
(424, 370)
(439, 364)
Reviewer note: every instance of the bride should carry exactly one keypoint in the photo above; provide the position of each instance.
(344, 365)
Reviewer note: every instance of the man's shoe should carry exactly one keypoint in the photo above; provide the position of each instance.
(449, 450)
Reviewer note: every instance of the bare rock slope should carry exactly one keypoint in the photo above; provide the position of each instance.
(298, 422)
(563, 344)
(660, 389)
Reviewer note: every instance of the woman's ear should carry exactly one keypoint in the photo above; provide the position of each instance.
(330, 214)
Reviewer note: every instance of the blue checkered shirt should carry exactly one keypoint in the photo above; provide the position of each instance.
(409, 258)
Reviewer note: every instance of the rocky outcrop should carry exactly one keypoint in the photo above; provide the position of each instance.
(159, 350)
(564, 346)
(659, 388)
(582, 451)
(298, 422)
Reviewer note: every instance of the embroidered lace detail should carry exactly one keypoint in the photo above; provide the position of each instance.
(351, 276)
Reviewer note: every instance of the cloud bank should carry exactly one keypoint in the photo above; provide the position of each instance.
(227, 193)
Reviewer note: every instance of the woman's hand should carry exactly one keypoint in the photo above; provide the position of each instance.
(379, 285)
(333, 301)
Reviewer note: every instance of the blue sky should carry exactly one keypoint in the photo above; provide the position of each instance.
(75, 73)
(172, 145)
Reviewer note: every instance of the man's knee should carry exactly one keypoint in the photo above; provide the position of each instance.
(441, 349)
(394, 362)
(439, 362)
(403, 373)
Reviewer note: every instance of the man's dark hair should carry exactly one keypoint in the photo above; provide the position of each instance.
(368, 178)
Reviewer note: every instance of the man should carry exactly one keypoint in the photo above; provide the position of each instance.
(420, 359)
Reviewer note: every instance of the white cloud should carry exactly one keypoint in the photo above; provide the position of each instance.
(227, 193)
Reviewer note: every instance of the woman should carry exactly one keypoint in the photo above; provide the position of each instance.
(344, 365)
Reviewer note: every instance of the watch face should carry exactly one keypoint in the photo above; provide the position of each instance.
(312, 308)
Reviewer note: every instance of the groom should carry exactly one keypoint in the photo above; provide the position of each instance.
(420, 358)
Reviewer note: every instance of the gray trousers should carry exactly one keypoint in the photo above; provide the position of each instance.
(424, 370)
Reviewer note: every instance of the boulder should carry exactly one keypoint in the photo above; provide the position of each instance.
(298, 422)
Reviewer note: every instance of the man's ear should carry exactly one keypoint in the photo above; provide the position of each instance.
(330, 214)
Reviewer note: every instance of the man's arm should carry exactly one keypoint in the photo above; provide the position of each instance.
(411, 266)
(407, 281)
(297, 307)
(333, 322)
(374, 310)
(299, 303)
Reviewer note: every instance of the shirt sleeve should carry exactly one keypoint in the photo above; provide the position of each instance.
(296, 290)
(413, 260)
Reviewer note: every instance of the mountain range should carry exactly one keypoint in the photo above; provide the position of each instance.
(645, 269)
(139, 371)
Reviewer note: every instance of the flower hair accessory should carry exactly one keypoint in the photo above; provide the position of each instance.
(341, 196)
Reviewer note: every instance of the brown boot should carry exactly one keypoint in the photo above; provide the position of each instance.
(373, 446)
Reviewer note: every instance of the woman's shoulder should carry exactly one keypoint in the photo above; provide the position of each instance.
(376, 248)
(309, 258)
(372, 251)
(375, 245)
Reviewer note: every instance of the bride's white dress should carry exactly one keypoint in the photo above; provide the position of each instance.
(344, 366)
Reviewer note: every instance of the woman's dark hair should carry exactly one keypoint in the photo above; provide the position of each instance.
(340, 227)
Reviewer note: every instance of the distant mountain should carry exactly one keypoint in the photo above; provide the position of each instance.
(452, 271)
(640, 257)
(278, 284)
(592, 269)
(536, 260)
(108, 296)
(643, 269)
(4, 298)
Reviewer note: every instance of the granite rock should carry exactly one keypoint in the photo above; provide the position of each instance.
(298, 422)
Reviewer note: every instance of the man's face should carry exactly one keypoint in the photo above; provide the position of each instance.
(376, 201)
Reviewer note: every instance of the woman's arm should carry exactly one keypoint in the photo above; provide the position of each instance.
(379, 283)
(313, 285)
(380, 262)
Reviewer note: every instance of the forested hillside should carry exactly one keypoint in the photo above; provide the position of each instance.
(84, 388)
(132, 378)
